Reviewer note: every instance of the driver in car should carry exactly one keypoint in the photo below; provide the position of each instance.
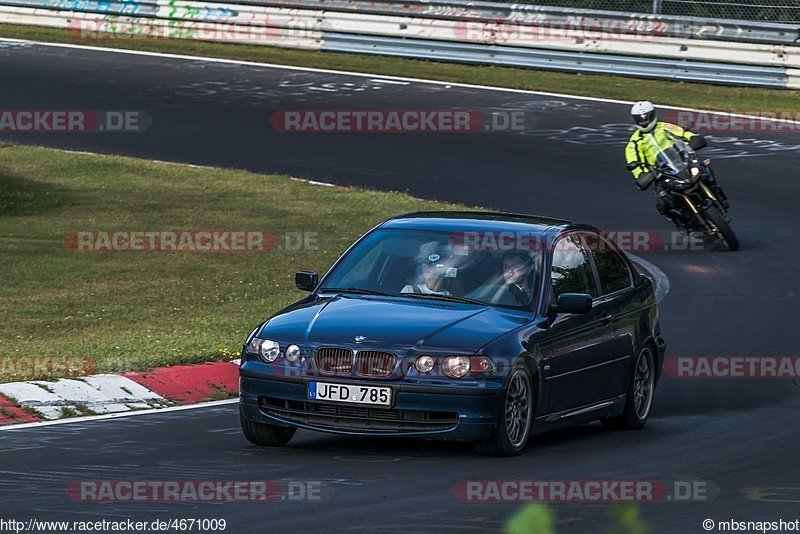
(517, 266)
(433, 268)
(512, 286)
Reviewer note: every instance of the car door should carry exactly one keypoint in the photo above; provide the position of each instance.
(616, 285)
(575, 346)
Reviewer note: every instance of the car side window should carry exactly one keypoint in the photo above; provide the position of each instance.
(611, 268)
(571, 271)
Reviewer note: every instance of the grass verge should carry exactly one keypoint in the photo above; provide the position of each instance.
(138, 310)
(598, 85)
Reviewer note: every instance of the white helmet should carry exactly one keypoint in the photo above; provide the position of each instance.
(644, 115)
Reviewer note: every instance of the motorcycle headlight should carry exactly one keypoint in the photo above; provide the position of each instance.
(695, 172)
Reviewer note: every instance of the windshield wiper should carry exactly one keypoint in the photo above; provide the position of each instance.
(357, 290)
(444, 297)
(360, 291)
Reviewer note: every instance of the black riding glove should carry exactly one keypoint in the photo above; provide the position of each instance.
(645, 178)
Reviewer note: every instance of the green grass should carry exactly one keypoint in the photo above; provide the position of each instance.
(598, 85)
(67, 411)
(138, 310)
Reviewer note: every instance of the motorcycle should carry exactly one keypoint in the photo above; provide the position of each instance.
(689, 188)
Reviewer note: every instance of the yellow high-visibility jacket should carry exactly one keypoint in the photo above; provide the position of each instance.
(664, 133)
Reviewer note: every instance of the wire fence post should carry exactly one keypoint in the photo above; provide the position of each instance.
(656, 7)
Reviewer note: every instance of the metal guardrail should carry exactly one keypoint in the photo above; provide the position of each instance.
(554, 60)
(672, 26)
(489, 12)
(727, 52)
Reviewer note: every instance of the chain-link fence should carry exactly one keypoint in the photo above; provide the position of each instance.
(762, 10)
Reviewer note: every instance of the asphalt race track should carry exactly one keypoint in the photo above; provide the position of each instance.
(738, 436)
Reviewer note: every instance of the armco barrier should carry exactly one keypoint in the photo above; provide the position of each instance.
(672, 26)
(732, 30)
(554, 60)
(726, 52)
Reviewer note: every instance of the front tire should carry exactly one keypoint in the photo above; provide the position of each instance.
(265, 435)
(514, 422)
(639, 398)
(716, 218)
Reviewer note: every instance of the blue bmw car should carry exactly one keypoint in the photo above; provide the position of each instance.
(486, 327)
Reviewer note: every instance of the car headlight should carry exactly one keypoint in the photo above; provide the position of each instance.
(292, 353)
(267, 349)
(424, 364)
(456, 366)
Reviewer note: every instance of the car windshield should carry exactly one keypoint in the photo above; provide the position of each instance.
(440, 265)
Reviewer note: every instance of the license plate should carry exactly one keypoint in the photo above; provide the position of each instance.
(326, 391)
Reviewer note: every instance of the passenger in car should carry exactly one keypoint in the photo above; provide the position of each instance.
(433, 268)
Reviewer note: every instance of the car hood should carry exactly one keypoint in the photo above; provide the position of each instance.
(392, 322)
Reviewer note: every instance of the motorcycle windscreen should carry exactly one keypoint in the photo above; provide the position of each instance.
(671, 156)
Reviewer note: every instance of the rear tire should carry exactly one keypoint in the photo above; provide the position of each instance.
(265, 435)
(716, 218)
(639, 398)
(514, 421)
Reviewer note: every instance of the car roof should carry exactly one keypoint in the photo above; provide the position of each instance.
(481, 221)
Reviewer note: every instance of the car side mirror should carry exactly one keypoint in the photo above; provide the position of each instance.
(306, 280)
(574, 303)
(697, 142)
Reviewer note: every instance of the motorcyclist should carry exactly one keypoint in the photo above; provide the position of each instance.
(642, 153)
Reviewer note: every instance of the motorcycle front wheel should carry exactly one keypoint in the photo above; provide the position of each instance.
(726, 232)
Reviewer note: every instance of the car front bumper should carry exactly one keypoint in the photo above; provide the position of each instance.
(434, 411)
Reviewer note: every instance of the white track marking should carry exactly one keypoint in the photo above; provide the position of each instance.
(116, 415)
(75, 391)
(315, 182)
(102, 394)
(33, 396)
(659, 277)
(123, 389)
